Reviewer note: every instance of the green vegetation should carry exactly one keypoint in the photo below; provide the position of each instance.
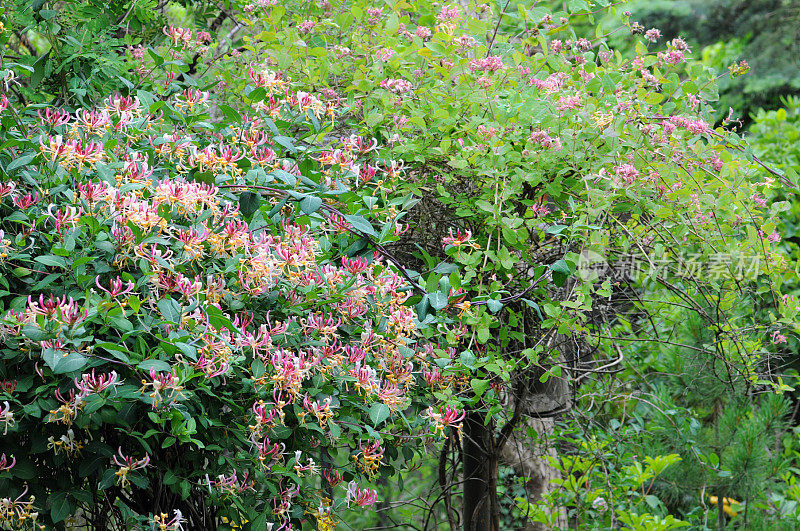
(480, 267)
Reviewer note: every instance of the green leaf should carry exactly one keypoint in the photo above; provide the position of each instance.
(219, 320)
(286, 142)
(20, 161)
(158, 365)
(310, 204)
(422, 307)
(61, 364)
(438, 300)
(361, 225)
(479, 386)
(378, 413)
(51, 260)
(249, 203)
(60, 506)
(561, 272)
(35, 333)
(156, 58)
(468, 358)
(494, 305)
(134, 303)
(231, 114)
(118, 351)
(171, 310)
(260, 523)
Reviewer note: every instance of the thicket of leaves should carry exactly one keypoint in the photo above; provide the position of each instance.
(762, 32)
(570, 194)
(173, 345)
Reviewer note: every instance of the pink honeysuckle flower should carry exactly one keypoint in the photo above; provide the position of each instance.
(24, 202)
(778, 338)
(180, 36)
(7, 188)
(362, 497)
(68, 216)
(117, 288)
(7, 463)
(93, 383)
(53, 117)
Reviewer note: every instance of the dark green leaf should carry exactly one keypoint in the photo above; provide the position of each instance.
(60, 506)
(249, 203)
(360, 224)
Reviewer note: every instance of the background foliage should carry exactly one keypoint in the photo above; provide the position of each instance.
(567, 195)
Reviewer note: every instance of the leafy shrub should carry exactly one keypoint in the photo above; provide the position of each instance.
(530, 155)
(176, 350)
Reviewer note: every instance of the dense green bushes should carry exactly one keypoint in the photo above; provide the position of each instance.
(225, 246)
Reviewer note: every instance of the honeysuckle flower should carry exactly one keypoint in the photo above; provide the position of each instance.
(165, 386)
(232, 484)
(67, 443)
(162, 522)
(9, 79)
(48, 307)
(391, 395)
(92, 192)
(117, 287)
(203, 37)
(127, 465)
(283, 503)
(461, 238)
(265, 415)
(53, 117)
(334, 477)
(446, 416)
(423, 32)
(24, 202)
(7, 463)
(212, 365)
(92, 383)
(492, 63)
(269, 453)
(675, 57)
(652, 35)
(191, 97)
(384, 54)
(568, 102)
(6, 417)
(7, 188)
(398, 86)
(369, 457)
(8, 386)
(306, 26)
(180, 36)
(122, 105)
(362, 497)
(92, 120)
(68, 216)
(778, 338)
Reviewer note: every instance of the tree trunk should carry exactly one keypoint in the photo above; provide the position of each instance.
(530, 443)
(526, 455)
(480, 512)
